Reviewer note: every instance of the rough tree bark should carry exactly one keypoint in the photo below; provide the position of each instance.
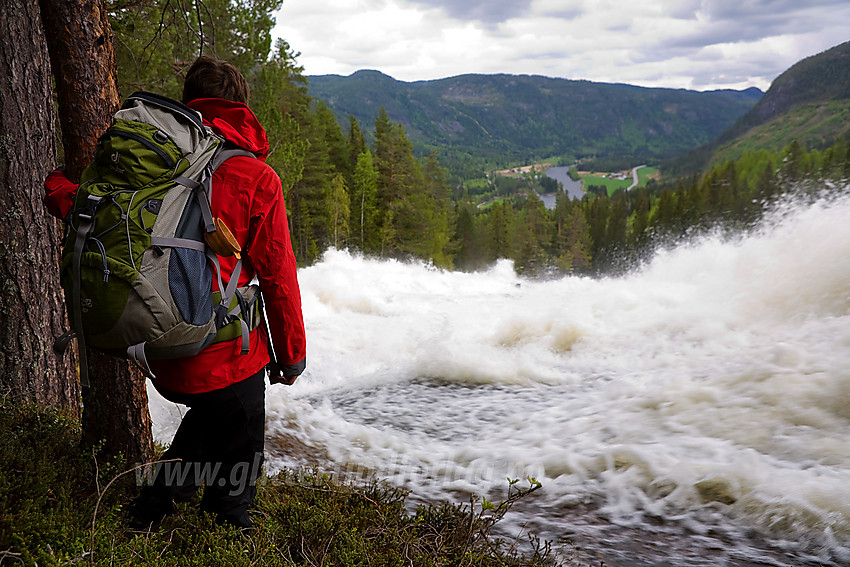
(81, 46)
(30, 295)
(80, 43)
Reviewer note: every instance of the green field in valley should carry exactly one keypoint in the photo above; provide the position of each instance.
(616, 181)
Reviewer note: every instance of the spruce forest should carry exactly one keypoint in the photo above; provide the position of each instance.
(361, 186)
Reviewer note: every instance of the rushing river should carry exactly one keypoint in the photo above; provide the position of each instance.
(693, 413)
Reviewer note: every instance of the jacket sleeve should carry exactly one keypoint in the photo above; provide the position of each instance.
(59, 194)
(270, 252)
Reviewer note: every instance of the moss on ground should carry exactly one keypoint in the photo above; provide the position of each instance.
(61, 504)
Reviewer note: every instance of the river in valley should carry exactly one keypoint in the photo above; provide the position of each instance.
(572, 188)
(695, 412)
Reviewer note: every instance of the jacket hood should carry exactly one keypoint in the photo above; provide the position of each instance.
(235, 121)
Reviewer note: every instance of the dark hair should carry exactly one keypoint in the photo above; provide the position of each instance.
(209, 77)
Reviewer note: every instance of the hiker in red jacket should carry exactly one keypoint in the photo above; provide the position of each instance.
(220, 440)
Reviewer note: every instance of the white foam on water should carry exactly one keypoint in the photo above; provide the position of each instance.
(714, 381)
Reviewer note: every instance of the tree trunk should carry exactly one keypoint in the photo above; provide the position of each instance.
(115, 408)
(80, 42)
(30, 294)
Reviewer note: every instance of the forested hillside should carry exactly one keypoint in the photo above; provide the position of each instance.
(821, 78)
(809, 103)
(502, 119)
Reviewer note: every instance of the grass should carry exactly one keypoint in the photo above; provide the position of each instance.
(645, 174)
(613, 185)
(61, 504)
(486, 205)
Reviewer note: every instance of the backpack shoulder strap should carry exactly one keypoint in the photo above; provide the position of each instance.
(203, 187)
(225, 152)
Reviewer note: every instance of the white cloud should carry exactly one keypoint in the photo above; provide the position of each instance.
(485, 11)
(697, 44)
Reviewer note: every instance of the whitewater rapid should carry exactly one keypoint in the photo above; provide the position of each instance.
(704, 398)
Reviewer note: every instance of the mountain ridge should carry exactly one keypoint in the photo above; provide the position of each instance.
(501, 118)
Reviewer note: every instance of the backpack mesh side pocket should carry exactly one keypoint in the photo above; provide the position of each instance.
(190, 282)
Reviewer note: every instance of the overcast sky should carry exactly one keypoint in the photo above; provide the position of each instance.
(693, 44)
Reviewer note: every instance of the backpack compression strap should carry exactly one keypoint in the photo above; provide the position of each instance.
(85, 219)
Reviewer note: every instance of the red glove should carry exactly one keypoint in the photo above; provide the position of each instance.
(59, 194)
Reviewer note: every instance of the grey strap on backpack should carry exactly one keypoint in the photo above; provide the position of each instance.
(222, 310)
(203, 188)
(84, 229)
(223, 155)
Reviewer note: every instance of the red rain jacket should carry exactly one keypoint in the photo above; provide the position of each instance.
(247, 195)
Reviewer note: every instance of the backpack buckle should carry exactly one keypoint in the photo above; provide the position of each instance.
(87, 212)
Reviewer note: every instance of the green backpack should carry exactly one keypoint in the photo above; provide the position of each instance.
(136, 266)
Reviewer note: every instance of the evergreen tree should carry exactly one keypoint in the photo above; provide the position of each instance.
(639, 235)
(335, 142)
(579, 243)
(387, 234)
(560, 249)
(468, 252)
(531, 235)
(277, 87)
(615, 233)
(382, 155)
(355, 145)
(435, 180)
(694, 202)
(411, 225)
(793, 161)
(767, 186)
(438, 192)
(597, 210)
(309, 212)
(31, 299)
(661, 218)
(500, 228)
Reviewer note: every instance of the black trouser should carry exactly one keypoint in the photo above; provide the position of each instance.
(220, 444)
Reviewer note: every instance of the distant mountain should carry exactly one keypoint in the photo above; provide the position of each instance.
(809, 103)
(503, 118)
